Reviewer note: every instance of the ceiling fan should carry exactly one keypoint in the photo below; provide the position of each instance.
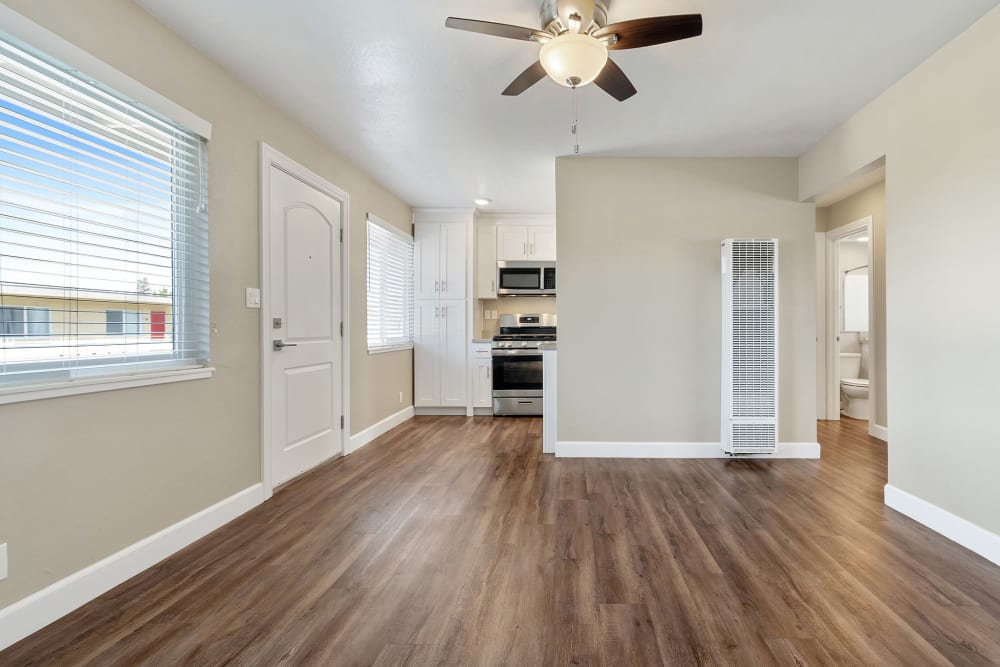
(575, 39)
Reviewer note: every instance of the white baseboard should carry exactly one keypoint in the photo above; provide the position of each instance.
(880, 432)
(34, 612)
(359, 440)
(440, 412)
(955, 528)
(676, 450)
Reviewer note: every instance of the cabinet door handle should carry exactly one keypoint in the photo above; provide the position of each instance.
(444, 285)
(488, 372)
(437, 284)
(493, 286)
(524, 249)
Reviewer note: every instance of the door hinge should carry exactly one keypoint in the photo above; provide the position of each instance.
(341, 329)
(341, 421)
(341, 234)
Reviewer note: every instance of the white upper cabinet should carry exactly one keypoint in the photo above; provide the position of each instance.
(486, 261)
(512, 243)
(535, 243)
(452, 266)
(439, 260)
(542, 243)
(427, 261)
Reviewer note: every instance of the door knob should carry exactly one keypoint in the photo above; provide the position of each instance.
(279, 345)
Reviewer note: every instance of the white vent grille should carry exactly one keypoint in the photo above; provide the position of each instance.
(750, 346)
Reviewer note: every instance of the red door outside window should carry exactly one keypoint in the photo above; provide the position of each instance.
(157, 324)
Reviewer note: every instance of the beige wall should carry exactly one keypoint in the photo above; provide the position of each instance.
(640, 293)
(870, 202)
(938, 131)
(83, 477)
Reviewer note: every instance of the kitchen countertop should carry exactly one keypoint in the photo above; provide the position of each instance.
(482, 340)
(547, 346)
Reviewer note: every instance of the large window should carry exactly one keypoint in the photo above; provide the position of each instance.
(390, 287)
(103, 229)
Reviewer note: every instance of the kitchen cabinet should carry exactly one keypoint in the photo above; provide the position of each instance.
(486, 261)
(439, 260)
(482, 375)
(526, 243)
(439, 353)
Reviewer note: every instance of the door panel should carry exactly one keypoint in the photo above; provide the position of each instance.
(308, 258)
(305, 377)
(427, 260)
(482, 384)
(426, 351)
(453, 253)
(453, 354)
(512, 243)
(542, 244)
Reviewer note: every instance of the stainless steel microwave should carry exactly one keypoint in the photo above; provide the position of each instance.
(526, 278)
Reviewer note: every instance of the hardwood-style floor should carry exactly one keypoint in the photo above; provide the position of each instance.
(454, 541)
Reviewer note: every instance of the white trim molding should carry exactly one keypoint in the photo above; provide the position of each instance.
(880, 432)
(55, 601)
(359, 440)
(955, 528)
(676, 450)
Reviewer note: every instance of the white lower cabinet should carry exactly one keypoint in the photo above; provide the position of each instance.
(482, 376)
(439, 353)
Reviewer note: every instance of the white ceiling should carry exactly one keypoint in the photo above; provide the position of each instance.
(418, 106)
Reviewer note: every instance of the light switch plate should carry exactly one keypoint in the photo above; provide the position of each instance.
(3, 561)
(253, 297)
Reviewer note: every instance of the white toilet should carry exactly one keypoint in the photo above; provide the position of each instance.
(853, 390)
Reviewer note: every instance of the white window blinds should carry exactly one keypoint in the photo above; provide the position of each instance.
(103, 229)
(390, 287)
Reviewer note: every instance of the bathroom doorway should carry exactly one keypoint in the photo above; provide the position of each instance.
(850, 315)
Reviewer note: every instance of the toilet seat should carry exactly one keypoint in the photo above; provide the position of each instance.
(854, 382)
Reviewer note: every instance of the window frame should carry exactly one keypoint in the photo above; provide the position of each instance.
(28, 35)
(398, 233)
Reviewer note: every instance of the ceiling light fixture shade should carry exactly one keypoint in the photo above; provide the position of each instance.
(573, 60)
(483, 202)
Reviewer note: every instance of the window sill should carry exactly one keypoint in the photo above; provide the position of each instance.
(92, 385)
(394, 348)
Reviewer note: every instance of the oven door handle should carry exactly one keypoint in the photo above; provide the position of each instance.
(517, 353)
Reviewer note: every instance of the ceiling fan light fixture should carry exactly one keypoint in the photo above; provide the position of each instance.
(573, 60)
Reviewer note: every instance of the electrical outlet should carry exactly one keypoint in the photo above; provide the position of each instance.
(3, 561)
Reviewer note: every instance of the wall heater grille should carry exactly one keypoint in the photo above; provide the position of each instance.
(750, 346)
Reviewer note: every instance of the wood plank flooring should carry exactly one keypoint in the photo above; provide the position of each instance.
(454, 541)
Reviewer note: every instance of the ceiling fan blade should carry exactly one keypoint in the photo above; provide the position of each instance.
(495, 29)
(526, 79)
(613, 81)
(654, 30)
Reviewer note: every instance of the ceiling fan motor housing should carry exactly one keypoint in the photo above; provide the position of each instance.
(555, 13)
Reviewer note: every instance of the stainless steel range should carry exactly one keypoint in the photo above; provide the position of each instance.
(517, 363)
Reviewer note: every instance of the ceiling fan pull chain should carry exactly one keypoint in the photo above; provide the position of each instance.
(575, 127)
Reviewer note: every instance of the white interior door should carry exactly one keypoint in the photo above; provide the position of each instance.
(306, 399)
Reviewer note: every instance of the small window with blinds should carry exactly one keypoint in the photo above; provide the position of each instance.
(103, 230)
(390, 287)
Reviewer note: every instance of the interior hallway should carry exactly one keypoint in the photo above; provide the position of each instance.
(453, 541)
